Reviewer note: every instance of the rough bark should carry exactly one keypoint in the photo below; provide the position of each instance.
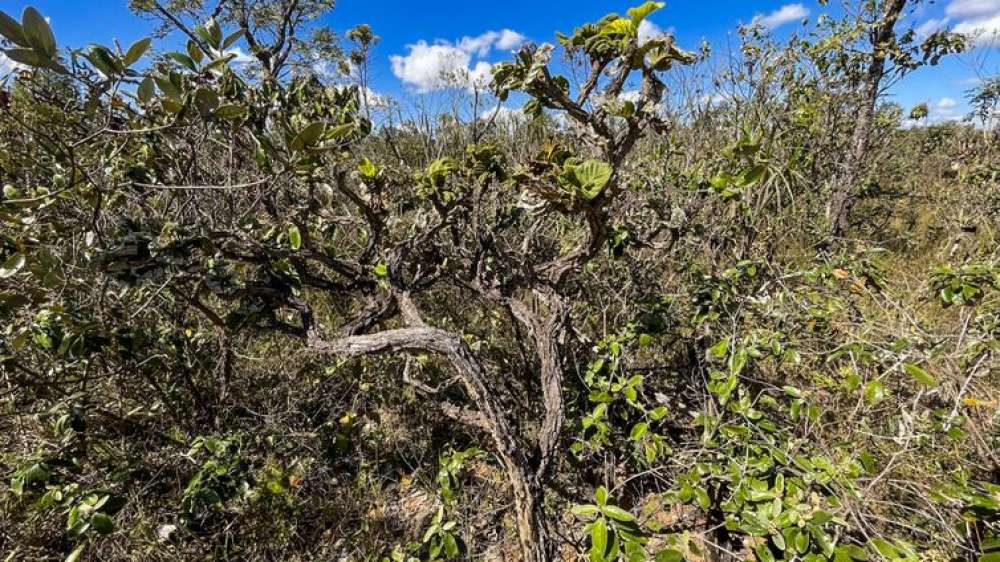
(845, 193)
(526, 487)
(529, 514)
(544, 327)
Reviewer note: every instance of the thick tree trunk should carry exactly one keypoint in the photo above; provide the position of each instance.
(544, 319)
(526, 486)
(529, 516)
(845, 193)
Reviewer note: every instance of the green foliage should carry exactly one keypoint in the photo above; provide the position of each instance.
(249, 315)
(964, 285)
(614, 533)
(448, 476)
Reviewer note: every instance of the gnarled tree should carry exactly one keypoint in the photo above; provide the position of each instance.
(297, 236)
(890, 54)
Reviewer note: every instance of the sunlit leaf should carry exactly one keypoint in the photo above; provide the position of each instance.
(37, 32)
(12, 265)
(12, 30)
(135, 52)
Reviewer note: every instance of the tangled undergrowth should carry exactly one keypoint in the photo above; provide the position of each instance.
(249, 314)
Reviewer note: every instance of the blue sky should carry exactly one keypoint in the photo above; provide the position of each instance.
(417, 32)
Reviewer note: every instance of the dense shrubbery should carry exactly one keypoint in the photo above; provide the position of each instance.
(252, 315)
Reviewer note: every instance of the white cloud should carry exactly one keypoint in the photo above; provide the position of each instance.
(946, 103)
(241, 57)
(944, 116)
(503, 114)
(630, 95)
(648, 30)
(980, 20)
(369, 97)
(931, 26)
(785, 14)
(509, 40)
(505, 39)
(442, 65)
(480, 75)
(325, 69)
(431, 67)
(969, 82)
(983, 32)
(972, 8)
(8, 66)
(375, 99)
(941, 111)
(715, 99)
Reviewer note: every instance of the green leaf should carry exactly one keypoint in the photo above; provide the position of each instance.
(620, 26)
(219, 62)
(231, 38)
(135, 52)
(617, 513)
(585, 510)
(184, 60)
(231, 111)
(38, 33)
(990, 544)
(922, 376)
(450, 546)
(32, 57)
(102, 523)
(638, 430)
(991, 557)
(821, 517)
(37, 473)
(207, 101)
(13, 264)
(874, 392)
(77, 552)
(308, 136)
(194, 51)
(764, 554)
(738, 360)
(640, 13)
(669, 555)
(801, 542)
(103, 60)
(598, 539)
(341, 131)
(173, 106)
(851, 551)
(592, 176)
(720, 349)
(146, 90)
(884, 548)
(703, 499)
(214, 32)
(779, 541)
(210, 32)
(753, 175)
(367, 169)
(601, 495)
(168, 87)
(294, 237)
(12, 30)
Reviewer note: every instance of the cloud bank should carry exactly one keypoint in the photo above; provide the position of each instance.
(440, 65)
(786, 14)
